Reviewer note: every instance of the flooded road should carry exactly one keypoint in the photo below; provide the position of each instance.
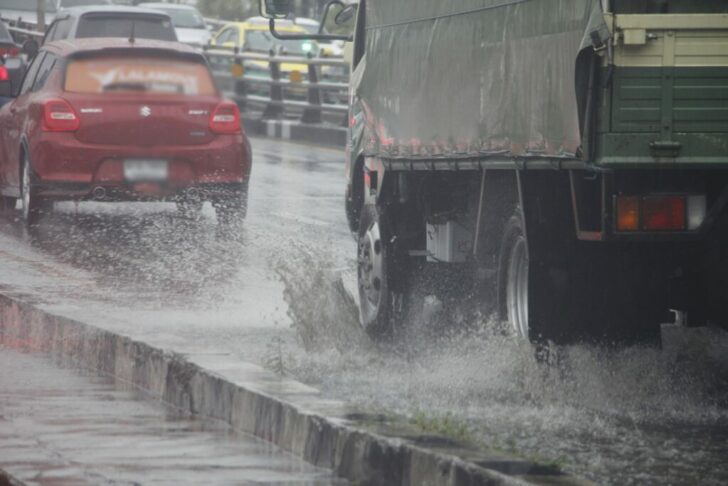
(64, 426)
(265, 294)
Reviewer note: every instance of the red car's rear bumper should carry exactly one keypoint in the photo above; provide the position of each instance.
(68, 169)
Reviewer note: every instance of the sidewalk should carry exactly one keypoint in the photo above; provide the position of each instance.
(66, 426)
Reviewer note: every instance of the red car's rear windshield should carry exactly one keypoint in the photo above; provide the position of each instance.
(124, 74)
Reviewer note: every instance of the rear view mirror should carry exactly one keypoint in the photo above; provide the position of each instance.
(346, 15)
(337, 30)
(31, 48)
(338, 19)
(331, 12)
(275, 9)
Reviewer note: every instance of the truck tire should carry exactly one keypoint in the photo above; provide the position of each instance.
(513, 277)
(381, 274)
(563, 291)
(544, 298)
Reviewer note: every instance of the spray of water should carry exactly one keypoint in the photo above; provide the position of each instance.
(619, 416)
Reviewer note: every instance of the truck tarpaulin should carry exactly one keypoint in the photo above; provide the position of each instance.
(474, 77)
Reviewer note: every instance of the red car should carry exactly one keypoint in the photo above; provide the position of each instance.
(113, 119)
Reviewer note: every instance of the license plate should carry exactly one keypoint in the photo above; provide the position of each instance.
(145, 170)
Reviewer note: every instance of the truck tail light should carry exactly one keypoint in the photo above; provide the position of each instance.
(663, 213)
(628, 213)
(4, 73)
(225, 118)
(660, 213)
(59, 116)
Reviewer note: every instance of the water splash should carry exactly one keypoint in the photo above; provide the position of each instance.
(618, 416)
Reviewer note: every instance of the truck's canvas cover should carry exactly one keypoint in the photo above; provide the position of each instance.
(473, 77)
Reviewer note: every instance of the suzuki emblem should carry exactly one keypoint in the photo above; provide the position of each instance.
(145, 111)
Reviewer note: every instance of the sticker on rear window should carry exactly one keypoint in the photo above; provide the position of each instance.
(122, 74)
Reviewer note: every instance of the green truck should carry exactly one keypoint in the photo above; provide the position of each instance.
(561, 164)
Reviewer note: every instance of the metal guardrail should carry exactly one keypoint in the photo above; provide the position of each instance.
(276, 85)
(20, 34)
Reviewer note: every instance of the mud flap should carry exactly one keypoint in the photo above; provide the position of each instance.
(551, 239)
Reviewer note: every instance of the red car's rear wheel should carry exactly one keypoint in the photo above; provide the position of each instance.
(33, 206)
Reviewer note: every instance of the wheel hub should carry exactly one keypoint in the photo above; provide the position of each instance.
(518, 288)
(371, 267)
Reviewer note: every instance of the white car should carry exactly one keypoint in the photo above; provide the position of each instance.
(188, 23)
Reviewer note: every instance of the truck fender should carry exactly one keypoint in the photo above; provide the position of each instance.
(354, 199)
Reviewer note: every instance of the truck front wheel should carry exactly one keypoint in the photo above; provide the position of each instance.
(382, 297)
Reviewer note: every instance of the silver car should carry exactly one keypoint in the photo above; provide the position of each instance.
(188, 23)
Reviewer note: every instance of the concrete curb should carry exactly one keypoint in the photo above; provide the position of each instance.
(290, 130)
(364, 449)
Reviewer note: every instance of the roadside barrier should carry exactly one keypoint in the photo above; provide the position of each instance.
(20, 31)
(308, 89)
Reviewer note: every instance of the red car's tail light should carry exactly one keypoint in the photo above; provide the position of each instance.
(225, 118)
(3, 73)
(59, 116)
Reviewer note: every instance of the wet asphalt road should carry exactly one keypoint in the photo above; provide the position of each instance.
(213, 287)
(210, 289)
(263, 294)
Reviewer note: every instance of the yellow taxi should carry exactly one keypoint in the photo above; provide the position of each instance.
(254, 36)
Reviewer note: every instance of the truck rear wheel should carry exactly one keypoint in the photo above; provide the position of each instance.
(382, 293)
(513, 276)
(541, 292)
